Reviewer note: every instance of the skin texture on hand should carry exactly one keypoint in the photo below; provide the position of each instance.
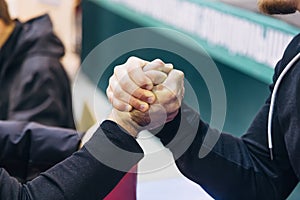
(123, 119)
(129, 87)
(167, 88)
(169, 95)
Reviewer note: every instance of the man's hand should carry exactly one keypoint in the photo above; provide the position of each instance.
(131, 84)
(169, 95)
(167, 90)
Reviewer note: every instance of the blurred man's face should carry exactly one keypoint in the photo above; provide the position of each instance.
(277, 6)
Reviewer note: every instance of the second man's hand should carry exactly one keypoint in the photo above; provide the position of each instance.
(126, 93)
(131, 84)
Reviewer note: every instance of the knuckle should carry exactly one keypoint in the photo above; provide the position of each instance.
(138, 93)
(159, 61)
(108, 92)
(131, 67)
(118, 93)
(171, 95)
(136, 103)
(110, 99)
(119, 69)
(110, 81)
(132, 59)
(115, 104)
(170, 65)
(179, 73)
(118, 105)
(127, 86)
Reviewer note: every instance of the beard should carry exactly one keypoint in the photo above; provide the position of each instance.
(277, 6)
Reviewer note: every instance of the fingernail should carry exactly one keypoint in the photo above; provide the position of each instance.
(168, 65)
(143, 107)
(159, 61)
(150, 99)
(128, 108)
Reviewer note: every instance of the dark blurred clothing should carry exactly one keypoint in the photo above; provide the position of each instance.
(81, 176)
(27, 149)
(33, 83)
(241, 168)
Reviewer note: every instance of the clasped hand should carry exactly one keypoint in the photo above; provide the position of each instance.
(144, 95)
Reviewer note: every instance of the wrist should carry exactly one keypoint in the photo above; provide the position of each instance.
(124, 120)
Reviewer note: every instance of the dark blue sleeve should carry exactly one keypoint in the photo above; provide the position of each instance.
(41, 93)
(234, 168)
(241, 168)
(84, 175)
(27, 149)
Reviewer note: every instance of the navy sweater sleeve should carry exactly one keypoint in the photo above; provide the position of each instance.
(41, 93)
(82, 175)
(34, 82)
(30, 148)
(235, 168)
(241, 168)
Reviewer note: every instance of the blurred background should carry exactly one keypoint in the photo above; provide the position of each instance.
(244, 45)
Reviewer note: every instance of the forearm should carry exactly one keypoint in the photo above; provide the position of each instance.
(228, 171)
(84, 175)
(234, 168)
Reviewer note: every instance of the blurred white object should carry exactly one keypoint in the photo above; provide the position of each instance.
(51, 2)
(62, 13)
(13, 8)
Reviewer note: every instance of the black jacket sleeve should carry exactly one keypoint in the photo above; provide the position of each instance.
(234, 168)
(84, 175)
(241, 168)
(27, 149)
(41, 93)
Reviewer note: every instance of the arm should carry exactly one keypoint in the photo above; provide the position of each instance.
(41, 92)
(83, 175)
(241, 168)
(30, 148)
(235, 168)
